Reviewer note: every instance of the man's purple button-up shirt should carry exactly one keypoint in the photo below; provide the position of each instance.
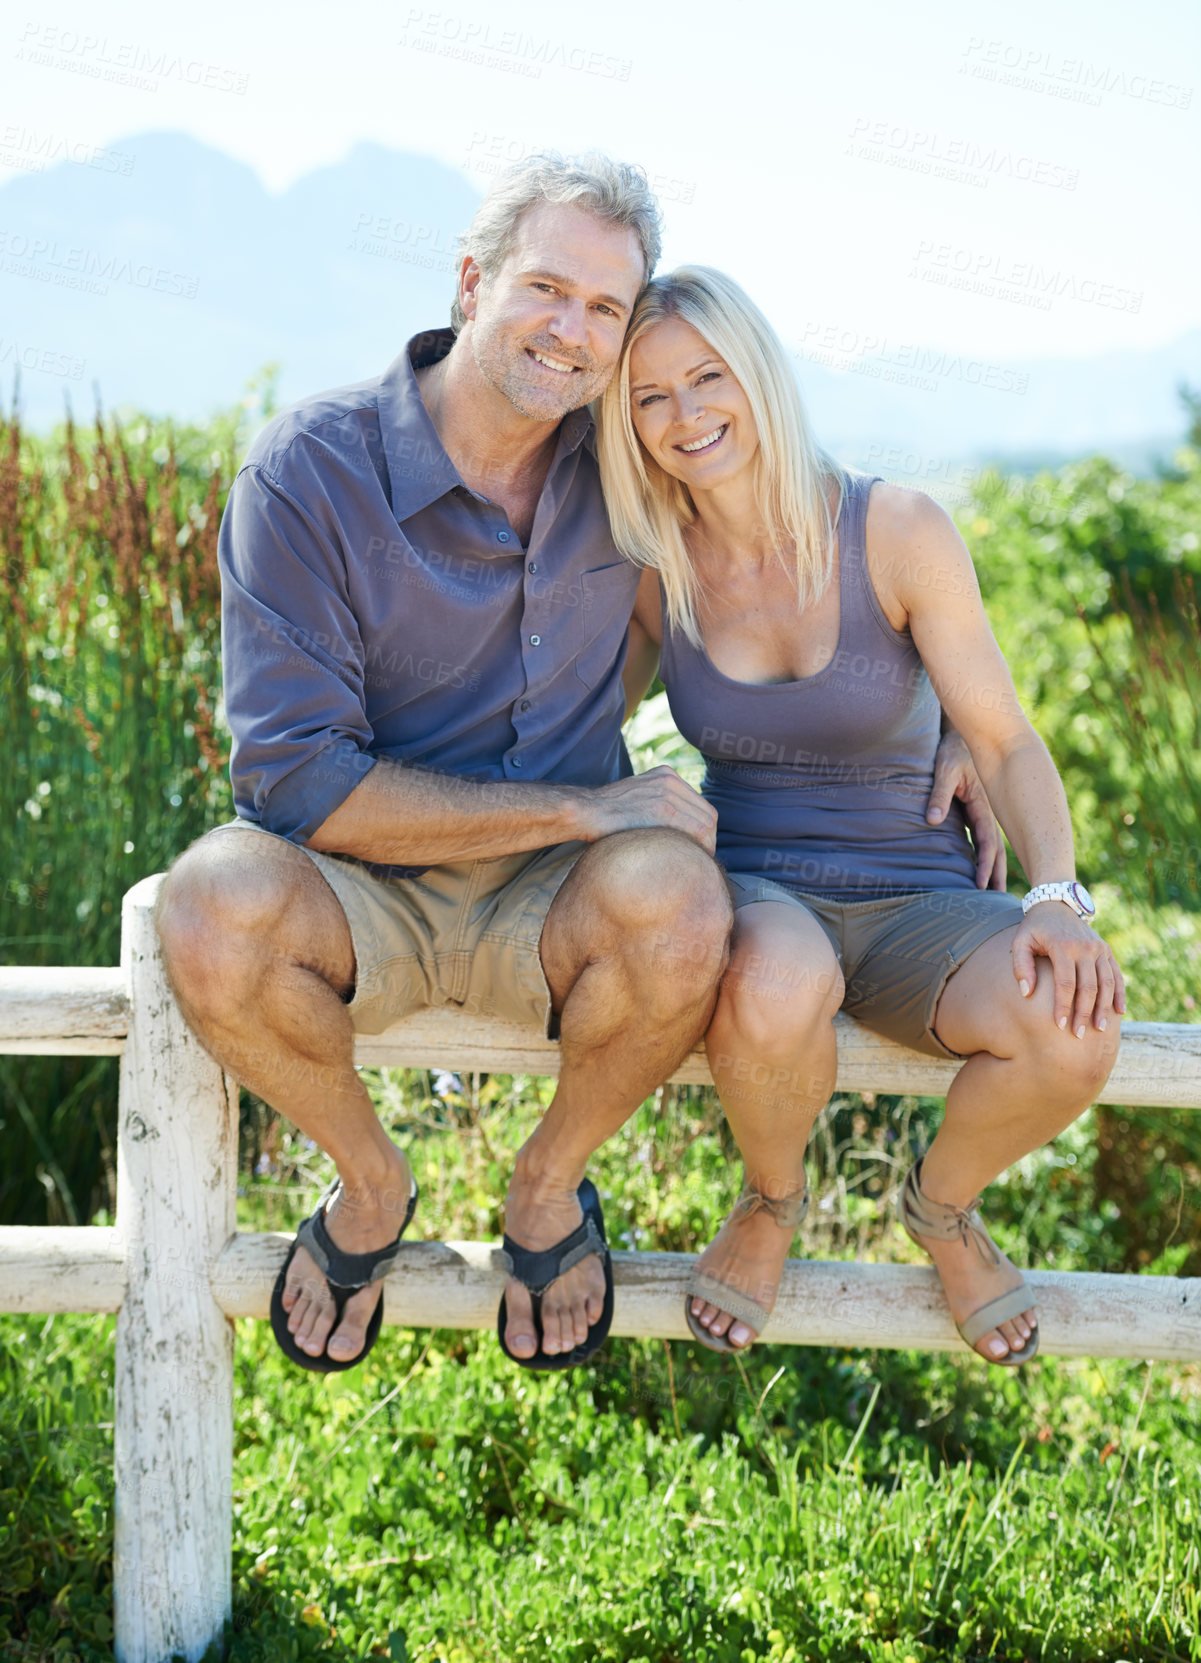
(373, 606)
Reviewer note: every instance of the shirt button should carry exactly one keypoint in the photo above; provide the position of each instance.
(516, 761)
(502, 536)
(525, 704)
(535, 640)
(533, 566)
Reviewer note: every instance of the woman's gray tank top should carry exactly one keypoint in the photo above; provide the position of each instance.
(821, 784)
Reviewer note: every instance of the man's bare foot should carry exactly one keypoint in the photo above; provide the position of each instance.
(538, 1213)
(360, 1219)
(748, 1255)
(970, 1284)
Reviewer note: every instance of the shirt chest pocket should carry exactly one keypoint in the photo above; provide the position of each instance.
(602, 618)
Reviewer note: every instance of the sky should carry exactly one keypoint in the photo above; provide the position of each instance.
(1009, 181)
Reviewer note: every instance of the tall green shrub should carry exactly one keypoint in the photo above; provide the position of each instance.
(110, 621)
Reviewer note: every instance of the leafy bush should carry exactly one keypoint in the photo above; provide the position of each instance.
(1089, 577)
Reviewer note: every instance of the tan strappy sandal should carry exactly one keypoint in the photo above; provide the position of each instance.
(788, 1212)
(938, 1219)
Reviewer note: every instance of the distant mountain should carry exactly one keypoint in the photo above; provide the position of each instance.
(170, 284)
(917, 414)
(166, 274)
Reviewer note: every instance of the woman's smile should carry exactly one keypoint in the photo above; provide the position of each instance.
(709, 442)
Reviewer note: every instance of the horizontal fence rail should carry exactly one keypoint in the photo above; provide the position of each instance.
(458, 1284)
(176, 1270)
(53, 1012)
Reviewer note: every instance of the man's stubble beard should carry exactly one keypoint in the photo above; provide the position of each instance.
(517, 384)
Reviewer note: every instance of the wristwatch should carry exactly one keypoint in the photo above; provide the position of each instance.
(1072, 894)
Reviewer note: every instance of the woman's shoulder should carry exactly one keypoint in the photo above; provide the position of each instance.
(912, 544)
(898, 514)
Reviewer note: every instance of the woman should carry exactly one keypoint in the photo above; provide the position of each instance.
(811, 624)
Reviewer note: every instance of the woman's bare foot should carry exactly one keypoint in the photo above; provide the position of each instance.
(970, 1284)
(973, 1270)
(747, 1255)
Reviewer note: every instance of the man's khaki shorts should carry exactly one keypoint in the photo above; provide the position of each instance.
(464, 934)
(897, 955)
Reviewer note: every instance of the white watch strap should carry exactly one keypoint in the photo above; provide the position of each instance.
(1061, 891)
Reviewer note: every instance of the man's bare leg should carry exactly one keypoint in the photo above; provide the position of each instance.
(259, 955)
(633, 949)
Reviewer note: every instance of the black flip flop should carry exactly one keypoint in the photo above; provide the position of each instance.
(537, 1271)
(346, 1273)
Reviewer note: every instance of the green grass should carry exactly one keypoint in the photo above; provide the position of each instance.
(664, 1505)
(659, 1506)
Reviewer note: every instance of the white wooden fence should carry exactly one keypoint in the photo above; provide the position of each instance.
(176, 1270)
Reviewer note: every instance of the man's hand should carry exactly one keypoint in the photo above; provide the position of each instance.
(1088, 982)
(955, 776)
(657, 798)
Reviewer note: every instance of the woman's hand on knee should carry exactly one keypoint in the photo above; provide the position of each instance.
(1088, 981)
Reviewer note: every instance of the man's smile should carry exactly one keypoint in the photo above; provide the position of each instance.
(556, 364)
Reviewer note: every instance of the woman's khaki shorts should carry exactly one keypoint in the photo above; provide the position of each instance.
(464, 934)
(897, 955)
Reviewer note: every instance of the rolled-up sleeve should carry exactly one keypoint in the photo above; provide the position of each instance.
(293, 659)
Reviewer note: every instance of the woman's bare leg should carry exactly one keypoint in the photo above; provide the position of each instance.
(1024, 1082)
(772, 1055)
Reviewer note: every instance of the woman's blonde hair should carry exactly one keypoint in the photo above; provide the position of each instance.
(648, 509)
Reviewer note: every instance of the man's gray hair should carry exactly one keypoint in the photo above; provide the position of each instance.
(613, 191)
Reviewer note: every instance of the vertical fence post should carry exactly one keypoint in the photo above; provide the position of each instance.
(173, 1434)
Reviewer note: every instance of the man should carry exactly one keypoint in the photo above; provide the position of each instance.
(424, 627)
(424, 621)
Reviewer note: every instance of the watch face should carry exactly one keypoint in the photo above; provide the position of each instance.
(1084, 899)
